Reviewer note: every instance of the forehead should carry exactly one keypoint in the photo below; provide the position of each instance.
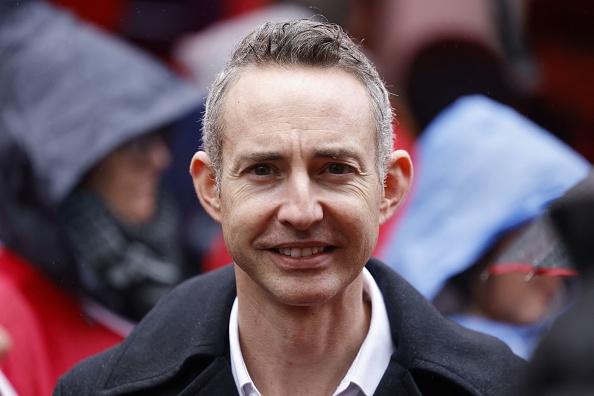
(275, 103)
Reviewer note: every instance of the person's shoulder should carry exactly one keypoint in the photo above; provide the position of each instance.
(84, 379)
(200, 295)
(217, 280)
(189, 323)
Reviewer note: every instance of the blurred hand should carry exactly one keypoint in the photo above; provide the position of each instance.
(5, 343)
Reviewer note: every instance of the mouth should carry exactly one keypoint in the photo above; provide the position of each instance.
(302, 252)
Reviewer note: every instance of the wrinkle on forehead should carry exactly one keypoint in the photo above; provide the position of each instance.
(308, 106)
(293, 90)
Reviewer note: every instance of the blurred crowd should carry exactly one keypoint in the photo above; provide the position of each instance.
(101, 105)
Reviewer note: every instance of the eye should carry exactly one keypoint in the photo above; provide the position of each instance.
(261, 170)
(339, 169)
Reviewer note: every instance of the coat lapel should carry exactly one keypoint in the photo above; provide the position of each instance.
(182, 343)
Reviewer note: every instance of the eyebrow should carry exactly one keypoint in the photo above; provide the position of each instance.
(336, 153)
(262, 156)
(319, 153)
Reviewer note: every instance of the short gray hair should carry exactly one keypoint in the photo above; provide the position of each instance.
(301, 42)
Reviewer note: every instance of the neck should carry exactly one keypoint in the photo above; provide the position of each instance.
(293, 350)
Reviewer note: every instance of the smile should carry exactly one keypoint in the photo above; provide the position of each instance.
(301, 252)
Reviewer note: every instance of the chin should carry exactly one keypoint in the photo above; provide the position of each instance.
(143, 212)
(310, 296)
(303, 300)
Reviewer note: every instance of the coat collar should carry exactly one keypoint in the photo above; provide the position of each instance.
(185, 333)
(185, 328)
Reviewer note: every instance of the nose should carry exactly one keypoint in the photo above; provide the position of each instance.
(159, 155)
(300, 206)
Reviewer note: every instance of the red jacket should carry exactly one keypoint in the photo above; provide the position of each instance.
(50, 332)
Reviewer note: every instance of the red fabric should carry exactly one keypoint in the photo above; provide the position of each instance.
(218, 255)
(405, 142)
(49, 331)
(232, 8)
(105, 13)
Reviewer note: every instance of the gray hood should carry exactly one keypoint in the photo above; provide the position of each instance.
(70, 94)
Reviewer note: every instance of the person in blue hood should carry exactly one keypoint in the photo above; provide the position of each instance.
(484, 173)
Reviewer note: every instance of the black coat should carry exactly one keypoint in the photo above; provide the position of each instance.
(182, 348)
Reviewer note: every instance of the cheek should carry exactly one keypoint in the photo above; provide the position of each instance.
(542, 291)
(361, 199)
(242, 220)
(516, 301)
(134, 180)
(357, 220)
(245, 211)
(365, 212)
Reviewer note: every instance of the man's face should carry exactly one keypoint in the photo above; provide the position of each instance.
(300, 192)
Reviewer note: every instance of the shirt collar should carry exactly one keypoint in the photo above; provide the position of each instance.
(366, 371)
(242, 378)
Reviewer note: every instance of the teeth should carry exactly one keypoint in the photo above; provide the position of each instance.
(298, 252)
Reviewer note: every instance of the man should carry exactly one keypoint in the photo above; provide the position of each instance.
(299, 170)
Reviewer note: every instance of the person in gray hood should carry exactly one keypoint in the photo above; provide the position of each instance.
(71, 100)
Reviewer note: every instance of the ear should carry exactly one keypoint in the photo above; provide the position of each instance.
(205, 185)
(396, 185)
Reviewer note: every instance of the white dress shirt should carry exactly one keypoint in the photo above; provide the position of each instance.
(366, 371)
